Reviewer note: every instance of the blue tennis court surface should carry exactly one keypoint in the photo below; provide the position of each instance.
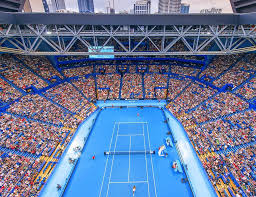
(129, 133)
(122, 172)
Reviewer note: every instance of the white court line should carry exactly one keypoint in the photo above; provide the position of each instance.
(128, 152)
(151, 161)
(132, 135)
(129, 158)
(131, 182)
(128, 182)
(146, 158)
(112, 162)
(132, 122)
(107, 159)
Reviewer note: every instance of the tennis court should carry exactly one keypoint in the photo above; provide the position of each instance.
(128, 136)
(130, 163)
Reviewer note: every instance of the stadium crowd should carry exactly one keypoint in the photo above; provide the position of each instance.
(216, 121)
(221, 125)
(132, 86)
(8, 93)
(219, 65)
(78, 71)
(108, 86)
(17, 174)
(29, 136)
(38, 107)
(87, 86)
(155, 86)
(236, 171)
(15, 72)
(40, 65)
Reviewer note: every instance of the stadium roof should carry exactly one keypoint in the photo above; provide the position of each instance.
(126, 19)
(243, 6)
(11, 5)
(61, 33)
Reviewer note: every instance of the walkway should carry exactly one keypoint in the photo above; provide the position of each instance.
(195, 171)
(64, 168)
(236, 148)
(17, 152)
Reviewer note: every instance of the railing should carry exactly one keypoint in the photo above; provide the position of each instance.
(74, 166)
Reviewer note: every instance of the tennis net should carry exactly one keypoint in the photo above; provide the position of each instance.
(128, 152)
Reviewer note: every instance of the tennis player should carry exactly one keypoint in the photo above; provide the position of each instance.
(133, 190)
(162, 152)
(168, 141)
(174, 165)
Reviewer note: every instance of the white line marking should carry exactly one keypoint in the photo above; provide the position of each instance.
(151, 161)
(112, 161)
(146, 158)
(129, 159)
(132, 122)
(131, 135)
(129, 152)
(107, 159)
(128, 182)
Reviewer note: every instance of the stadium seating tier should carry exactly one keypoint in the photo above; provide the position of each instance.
(38, 125)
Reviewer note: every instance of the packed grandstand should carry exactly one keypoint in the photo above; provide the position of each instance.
(42, 104)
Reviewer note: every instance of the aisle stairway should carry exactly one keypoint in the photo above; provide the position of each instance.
(17, 152)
